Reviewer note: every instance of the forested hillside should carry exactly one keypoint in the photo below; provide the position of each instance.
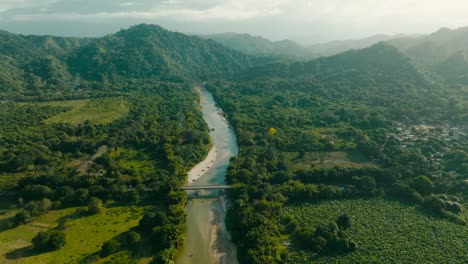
(121, 60)
(317, 137)
(379, 76)
(259, 46)
(335, 47)
(443, 51)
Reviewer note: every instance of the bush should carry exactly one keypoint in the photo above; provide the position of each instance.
(110, 247)
(434, 203)
(165, 257)
(49, 240)
(344, 221)
(95, 205)
(22, 217)
(131, 238)
(422, 184)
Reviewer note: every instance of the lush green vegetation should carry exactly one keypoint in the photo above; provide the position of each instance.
(125, 60)
(84, 234)
(96, 111)
(292, 120)
(385, 231)
(366, 130)
(259, 46)
(87, 153)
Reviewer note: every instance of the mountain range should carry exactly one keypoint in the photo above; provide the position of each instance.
(32, 63)
(444, 52)
(149, 52)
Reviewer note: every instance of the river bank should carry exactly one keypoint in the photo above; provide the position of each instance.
(207, 240)
(202, 168)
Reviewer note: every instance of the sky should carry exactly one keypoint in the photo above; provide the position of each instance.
(305, 21)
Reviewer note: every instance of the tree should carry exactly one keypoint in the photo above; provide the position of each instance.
(344, 221)
(132, 238)
(165, 257)
(110, 247)
(95, 205)
(44, 205)
(22, 217)
(49, 240)
(422, 184)
(327, 231)
(434, 203)
(365, 183)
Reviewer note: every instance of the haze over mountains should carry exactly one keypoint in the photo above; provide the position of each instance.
(147, 51)
(444, 51)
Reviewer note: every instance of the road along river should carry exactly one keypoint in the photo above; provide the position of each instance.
(206, 238)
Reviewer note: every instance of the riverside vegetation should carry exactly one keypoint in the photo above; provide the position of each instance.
(339, 157)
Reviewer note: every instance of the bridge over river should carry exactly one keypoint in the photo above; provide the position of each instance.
(205, 187)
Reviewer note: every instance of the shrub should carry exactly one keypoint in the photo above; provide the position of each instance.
(422, 184)
(22, 217)
(434, 203)
(95, 205)
(110, 247)
(131, 238)
(49, 240)
(344, 221)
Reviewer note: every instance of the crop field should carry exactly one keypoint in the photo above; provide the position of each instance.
(84, 234)
(96, 111)
(386, 232)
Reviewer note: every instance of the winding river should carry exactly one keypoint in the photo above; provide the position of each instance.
(206, 238)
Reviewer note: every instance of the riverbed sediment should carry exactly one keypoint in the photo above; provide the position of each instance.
(207, 240)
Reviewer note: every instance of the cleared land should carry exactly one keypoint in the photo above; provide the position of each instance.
(331, 159)
(386, 232)
(96, 111)
(85, 234)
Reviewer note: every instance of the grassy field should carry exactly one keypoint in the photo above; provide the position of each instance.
(84, 234)
(132, 160)
(96, 111)
(386, 232)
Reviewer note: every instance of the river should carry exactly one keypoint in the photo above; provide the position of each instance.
(206, 238)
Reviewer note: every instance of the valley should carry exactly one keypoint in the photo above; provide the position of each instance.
(346, 152)
(206, 237)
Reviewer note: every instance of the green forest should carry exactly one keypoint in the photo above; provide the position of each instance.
(339, 129)
(360, 157)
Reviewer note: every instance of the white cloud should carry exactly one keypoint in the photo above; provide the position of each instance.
(277, 18)
(6, 5)
(230, 10)
(127, 4)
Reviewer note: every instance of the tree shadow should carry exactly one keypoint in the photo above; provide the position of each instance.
(6, 224)
(142, 249)
(22, 253)
(79, 213)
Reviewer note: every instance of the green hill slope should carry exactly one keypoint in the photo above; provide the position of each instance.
(259, 46)
(442, 51)
(139, 53)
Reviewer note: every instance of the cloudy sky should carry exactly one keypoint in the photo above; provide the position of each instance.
(306, 21)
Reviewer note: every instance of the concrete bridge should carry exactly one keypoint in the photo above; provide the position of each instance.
(198, 188)
(205, 187)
